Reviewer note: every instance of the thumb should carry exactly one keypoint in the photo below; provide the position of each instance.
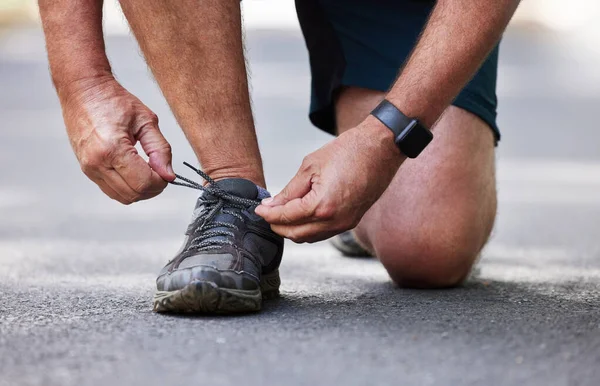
(158, 150)
(298, 187)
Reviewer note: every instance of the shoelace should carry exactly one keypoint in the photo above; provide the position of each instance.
(205, 234)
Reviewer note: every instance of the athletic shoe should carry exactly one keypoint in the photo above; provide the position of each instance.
(230, 257)
(346, 243)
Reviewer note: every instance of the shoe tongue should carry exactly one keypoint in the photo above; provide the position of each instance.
(235, 186)
(239, 187)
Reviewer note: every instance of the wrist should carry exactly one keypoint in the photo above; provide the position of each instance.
(69, 88)
(383, 140)
(426, 113)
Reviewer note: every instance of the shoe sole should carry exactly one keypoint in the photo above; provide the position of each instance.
(207, 298)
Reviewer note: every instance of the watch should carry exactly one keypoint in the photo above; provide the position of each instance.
(410, 136)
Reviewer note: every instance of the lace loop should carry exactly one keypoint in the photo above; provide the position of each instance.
(206, 234)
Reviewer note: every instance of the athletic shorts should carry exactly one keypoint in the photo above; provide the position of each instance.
(364, 43)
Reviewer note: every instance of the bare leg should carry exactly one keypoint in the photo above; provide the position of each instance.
(194, 49)
(431, 223)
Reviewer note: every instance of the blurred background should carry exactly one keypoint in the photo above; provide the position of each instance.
(64, 245)
(548, 159)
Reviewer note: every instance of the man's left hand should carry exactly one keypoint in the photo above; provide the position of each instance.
(335, 185)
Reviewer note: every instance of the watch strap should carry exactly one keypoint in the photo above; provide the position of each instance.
(392, 117)
(409, 135)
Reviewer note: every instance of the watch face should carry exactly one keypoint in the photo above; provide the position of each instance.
(413, 139)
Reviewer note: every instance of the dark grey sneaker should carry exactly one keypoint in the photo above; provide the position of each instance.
(230, 257)
(346, 243)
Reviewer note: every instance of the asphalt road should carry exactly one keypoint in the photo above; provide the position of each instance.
(77, 270)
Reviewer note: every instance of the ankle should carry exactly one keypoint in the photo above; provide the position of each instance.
(252, 174)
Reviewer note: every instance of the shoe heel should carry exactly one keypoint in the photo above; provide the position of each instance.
(269, 285)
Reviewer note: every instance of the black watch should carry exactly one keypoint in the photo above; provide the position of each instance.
(410, 136)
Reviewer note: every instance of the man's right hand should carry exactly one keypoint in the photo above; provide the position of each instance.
(104, 122)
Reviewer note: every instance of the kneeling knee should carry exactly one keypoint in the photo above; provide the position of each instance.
(429, 262)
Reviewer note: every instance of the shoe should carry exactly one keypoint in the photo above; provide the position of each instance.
(230, 258)
(346, 243)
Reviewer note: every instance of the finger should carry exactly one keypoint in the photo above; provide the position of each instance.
(98, 176)
(158, 150)
(137, 174)
(307, 233)
(110, 192)
(115, 181)
(298, 187)
(296, 211)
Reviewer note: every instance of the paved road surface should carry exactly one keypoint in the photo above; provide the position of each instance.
(77, 270)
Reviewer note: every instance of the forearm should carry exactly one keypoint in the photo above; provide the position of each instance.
(454, 43)
(76, 51)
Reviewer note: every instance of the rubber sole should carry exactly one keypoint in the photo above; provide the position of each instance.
(207, 298)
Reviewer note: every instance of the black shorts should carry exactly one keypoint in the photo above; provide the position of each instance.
(349, 45)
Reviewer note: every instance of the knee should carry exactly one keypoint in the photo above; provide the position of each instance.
(430, 258)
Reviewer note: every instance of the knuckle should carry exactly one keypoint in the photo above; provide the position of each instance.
(131, 198)
(307, 207)
(147, 120)
(297, 236)
(122, 158)
(292, 236)
(167, 148)
(86, 166)
(90, 161)
(285, 193)
(103, 153)
(283, 218)
(300, 239)
(306, 164)
(152, 117)
(325, 211)
(97, 156)
(142, 187)
(117, 198)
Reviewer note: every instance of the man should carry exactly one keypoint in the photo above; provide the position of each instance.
(425, 219)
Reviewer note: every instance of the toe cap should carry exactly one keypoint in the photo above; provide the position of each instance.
(180, 277)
